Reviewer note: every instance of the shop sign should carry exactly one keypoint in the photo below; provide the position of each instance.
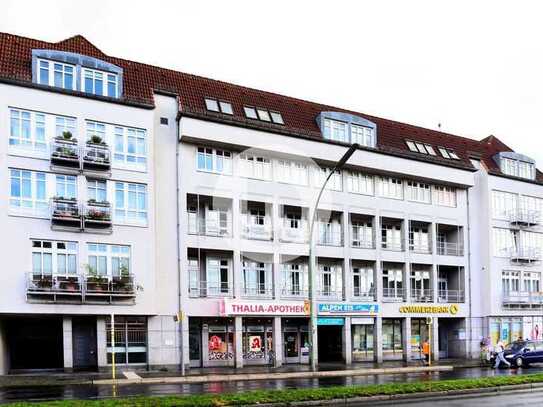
(294, 308)
(362, 321)
(331, 321)
(348, 309)
(429, 309)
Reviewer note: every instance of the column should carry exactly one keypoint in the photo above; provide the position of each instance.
(238, 341)
(277, 341)
(67, 344)
(185, 341)
(4, 356)
(277, 279)
(101, 342)
(406, 339)
(378, 340)
(347, 348)
(236, 275)
(347, 279)
(435, 339)
(434, 282)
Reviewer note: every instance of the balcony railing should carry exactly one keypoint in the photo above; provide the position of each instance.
(209, 227)
(96, 157)
(330, 238)
(422, 295)
(523, 299)
(204, 289)
(97, 215)
(292, 234)
(524, 217)
(392, 244)
(365, 295)
(450, 296)
(258, 291)
(418, 247)
(393, 294)
(65, 212)
(450, 249)
(525, 255)
(80, 288)
(330, 293)
(294, 292)
(250, 230)
(65, 152)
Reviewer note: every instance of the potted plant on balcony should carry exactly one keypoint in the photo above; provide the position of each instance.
(122, 281)
(96, 213)
(69, 283)
(95, 282)
(99, 154)
(43, 282)
(65, 207)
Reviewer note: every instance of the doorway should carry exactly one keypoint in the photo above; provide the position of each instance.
(84, 343)
(330, 343)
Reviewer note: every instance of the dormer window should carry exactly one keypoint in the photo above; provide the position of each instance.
(347, 128)
(517, 167)
(218, 106)
(70, 71)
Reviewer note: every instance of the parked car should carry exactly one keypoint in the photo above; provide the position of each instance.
(524, 353)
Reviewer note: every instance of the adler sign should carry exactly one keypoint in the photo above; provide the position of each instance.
(289, 308)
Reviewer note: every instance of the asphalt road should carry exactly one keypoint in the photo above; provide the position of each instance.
(70, 392)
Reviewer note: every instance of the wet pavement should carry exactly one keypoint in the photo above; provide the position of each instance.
(87, 391)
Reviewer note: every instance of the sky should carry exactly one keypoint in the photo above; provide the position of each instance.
(475, 67)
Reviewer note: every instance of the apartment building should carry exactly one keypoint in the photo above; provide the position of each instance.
(179, 208)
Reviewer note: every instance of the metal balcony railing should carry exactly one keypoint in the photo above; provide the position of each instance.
(198, 225)
(360, 239)
(258, 291)
(366, 295)
(330, 293)
(65, 152)
(97, 214)
(525, 255)
(204, 289)
(451, 296)
(392, 244)
(422, 295)
(450, 249)
(65, 212)
(294, 292)
(330, 238)
(96, 156)
(524, 217)
(299, 234)
(394, 294)
(418, 247)
(250, 230)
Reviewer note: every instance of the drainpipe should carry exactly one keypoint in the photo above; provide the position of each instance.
(178, 233)
(470, 316)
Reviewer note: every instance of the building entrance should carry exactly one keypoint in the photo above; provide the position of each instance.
(330, 343)
(84, 343)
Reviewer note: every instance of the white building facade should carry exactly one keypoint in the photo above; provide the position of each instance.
(179, 208)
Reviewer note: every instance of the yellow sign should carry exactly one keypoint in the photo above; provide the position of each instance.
(429, 309)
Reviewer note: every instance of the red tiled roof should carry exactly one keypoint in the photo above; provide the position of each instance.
(142, 80)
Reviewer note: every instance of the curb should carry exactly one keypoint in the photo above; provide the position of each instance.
(271, 376)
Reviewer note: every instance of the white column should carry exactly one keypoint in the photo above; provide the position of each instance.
(406, 338)
(101, 342)
(238, 338)
(435, 339)
(378, 340)
(277, 278)
(185, 345)
(67, 343)
(347, 341)
(277, 341)
(236, 274)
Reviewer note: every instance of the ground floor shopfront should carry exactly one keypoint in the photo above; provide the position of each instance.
(85, 342)
(511, 328)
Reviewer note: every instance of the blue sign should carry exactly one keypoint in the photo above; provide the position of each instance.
(348, 309)
(331, 321)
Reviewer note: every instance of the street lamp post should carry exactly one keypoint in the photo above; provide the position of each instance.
(313, 340)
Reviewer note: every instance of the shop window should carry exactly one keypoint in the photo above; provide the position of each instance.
(392, 337)
(130, 340)
(362, 342)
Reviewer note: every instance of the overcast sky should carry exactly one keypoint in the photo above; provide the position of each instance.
(476, 67)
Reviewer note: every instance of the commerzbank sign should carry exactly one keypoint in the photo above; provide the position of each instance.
(429, 309)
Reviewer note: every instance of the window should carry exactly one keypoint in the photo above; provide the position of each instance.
(359, 183)
(226, 107)
(56, 74)
(211, 104)
(218, 106)
(108, 260)
(390, 187)
(510, 282)
(250, 112)
(164, 121)
(448, 153)
(27, 130)
(503, 204)
(418, 192)
(218, 271)
(214, 160)
(335, 130)
(412, 146)
(362, 234)
(28, 192)
(51, 257)
(263, 115)
(330, 281)
(517, 168)
(295, 281)
(418, 147)
(96, 190)
(444, 196)
(66, 187)
(504, 242)
(363, 285)
(130, 203)
(531, 205)
(292, 172)
(257, 278)
(130, 147)
(112, 86)
(531, 282)
(130, 340)
(64, 124)
(392, 282)
(277, 117)
(253, 166)
(93, 82)
(362, 135)
(95, 129)
(335, 181)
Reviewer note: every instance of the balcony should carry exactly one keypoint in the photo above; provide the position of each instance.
(330, 293)
(80, 289)
(251, 229)
(65, 213)
(65, 152)
(422, 295)
(257, 291)
(294, 231)
(205, 289)
(363, 295)
(96, 157)
(209, 216)
(97, 216)
(450, 249)
(392, 244)
(329, 237)
(294, 292)
(450, 296)
(524, 217)
(393, 294)
(419, 237)
(525, 255)
(522, 299)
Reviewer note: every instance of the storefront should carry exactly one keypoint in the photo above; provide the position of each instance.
(419, 334)
(392, 339)
(532, 328)
(217, 342)
(508, 330)
(362, 331)
(295, 340)
(257, 340)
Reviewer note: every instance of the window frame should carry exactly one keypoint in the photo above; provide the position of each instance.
(105, 79)
(70, 251)
(122, 254)
(38, 207)
(121, 156)
(51, 71)
(211, 155)
(125, 219)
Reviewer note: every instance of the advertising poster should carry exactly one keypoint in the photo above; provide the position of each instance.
(494, 332)
(516, 330)
(255, 343)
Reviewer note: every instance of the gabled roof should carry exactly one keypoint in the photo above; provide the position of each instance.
(141, 81)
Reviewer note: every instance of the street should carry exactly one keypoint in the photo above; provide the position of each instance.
(69, 392)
